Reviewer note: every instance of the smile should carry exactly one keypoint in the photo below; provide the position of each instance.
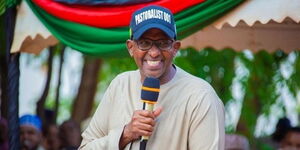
(153, 63)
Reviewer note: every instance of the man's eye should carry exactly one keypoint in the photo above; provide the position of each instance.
(144, 42)
(164, 43)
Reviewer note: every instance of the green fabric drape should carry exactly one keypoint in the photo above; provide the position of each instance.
(7, 4)
(111, 42)
(193, 19)
(2, 7)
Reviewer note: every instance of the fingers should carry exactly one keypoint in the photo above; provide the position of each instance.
(143, 126)
(143, 120)
(143, 116)
(142, 123)
(157, 111)
(153, 114)
(146, 113)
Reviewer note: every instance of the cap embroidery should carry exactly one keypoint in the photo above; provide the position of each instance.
(152, 13)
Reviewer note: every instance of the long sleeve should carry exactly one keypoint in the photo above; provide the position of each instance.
(207, 124)
(192, 116)
(98, 136)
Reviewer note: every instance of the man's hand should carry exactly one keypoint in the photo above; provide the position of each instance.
(142, 124)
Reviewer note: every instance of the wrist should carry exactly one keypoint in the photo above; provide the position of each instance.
(125, 138)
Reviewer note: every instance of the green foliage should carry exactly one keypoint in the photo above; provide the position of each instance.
(294, 82)
(260, 84)
(114, 66)
(110, 69)
(215, 67)
(264, 146)
(65, 106)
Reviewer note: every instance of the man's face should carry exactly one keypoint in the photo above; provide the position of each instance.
(30, 137)
(51, 139)
(154, 62)
(291, 141)
(70, 134)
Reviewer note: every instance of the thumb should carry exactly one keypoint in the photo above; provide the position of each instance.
(157, 111)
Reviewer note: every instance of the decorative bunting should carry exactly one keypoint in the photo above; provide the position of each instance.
(110, 42)
(106, 16)
(103, 2)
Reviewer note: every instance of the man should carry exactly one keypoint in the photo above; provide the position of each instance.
(188, 115)
(30, 132)
(51, 139)
(69, 132)
(291, 140)
(236, 142)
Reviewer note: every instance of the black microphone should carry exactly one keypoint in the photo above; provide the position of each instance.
(149, 96)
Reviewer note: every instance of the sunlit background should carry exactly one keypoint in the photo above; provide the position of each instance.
(33, 75)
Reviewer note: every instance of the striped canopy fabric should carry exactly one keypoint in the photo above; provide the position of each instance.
(105, 16)
(106, 36)
(102, 2)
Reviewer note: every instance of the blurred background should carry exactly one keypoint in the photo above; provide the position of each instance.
(247, 50)
(257, 89)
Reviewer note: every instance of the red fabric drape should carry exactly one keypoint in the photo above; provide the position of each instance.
(106, 16)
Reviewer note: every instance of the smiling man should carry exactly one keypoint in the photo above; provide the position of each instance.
(188, 114)
(30, 132)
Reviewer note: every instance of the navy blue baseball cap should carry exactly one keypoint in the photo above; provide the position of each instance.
(149, 17)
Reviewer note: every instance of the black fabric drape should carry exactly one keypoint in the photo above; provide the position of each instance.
(3, 70)
(13, 74)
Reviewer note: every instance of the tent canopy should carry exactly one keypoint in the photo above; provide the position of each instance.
(106, 42)
(256, 25)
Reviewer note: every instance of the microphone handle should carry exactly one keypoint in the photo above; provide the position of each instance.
(149, 107)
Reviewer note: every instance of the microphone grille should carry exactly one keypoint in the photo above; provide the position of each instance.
(150, 89)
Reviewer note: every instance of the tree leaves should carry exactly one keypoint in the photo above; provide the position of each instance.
(261, 81)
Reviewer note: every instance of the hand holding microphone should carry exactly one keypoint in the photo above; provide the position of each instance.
(149, 96)
(143, 121)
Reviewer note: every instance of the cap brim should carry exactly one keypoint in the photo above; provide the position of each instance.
(137, 34)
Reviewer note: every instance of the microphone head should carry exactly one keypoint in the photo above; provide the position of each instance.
(150, 90)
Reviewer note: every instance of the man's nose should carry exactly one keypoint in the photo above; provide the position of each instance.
(23, 137)
(154, 51)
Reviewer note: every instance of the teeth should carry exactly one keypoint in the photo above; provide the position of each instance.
(152, 63)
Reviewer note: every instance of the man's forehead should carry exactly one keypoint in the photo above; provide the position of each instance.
(28, 127)
(154, 32)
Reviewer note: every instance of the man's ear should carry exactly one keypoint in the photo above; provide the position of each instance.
(176, 47)
(129, 44)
